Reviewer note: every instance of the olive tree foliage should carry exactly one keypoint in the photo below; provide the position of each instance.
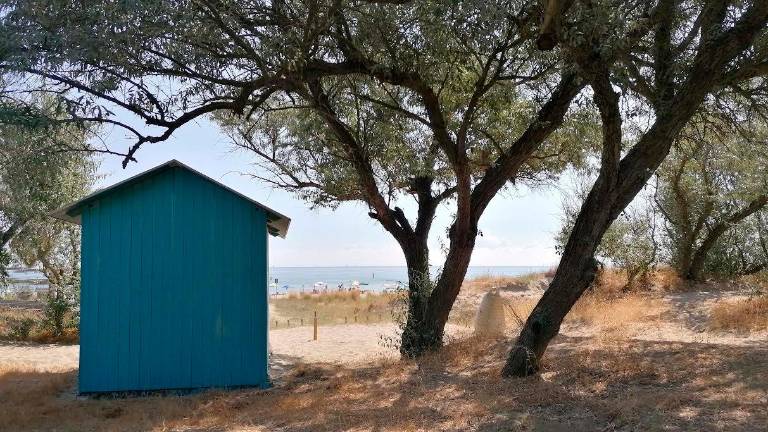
(652, 66)
(41, 169)
(742, 250)
(703, 215)
(468, 114)
(369, 101)
(39, 173)
(712, 195)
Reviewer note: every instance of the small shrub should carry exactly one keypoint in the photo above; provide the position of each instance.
(20, 329)
(55, 314)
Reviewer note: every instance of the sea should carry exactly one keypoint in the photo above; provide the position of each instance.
(23, 280)
(305, 279)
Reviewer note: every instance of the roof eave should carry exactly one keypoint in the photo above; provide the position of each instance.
(277, 223)
(63, 214)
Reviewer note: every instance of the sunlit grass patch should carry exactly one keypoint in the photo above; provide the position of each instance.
(745, 315)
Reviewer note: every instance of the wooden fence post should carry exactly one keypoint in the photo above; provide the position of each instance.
(315, 334)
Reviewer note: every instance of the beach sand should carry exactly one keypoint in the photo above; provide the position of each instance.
(683, 319)
(342, 344)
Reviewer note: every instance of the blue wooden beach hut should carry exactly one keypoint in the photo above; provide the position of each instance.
(174, 283)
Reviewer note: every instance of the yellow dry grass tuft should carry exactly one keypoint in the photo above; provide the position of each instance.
(612, 281)
(483, 284)
(607, 313)
(9, 316)
(744, 315)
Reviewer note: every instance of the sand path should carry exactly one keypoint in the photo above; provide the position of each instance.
(44, 358)
(359, 343)
(347, 344)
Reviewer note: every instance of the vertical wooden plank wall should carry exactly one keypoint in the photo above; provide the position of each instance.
(174, 287)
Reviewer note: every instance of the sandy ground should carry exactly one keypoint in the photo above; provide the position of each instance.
(684, 321)
(667, 374)
(44, 358)
(357, 343)
(685, 318)
(342, 344)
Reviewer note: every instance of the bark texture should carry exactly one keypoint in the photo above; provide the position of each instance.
(8, 235)
(619, 181)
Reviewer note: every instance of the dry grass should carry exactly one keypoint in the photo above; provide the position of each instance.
(606, 305)
(614, 317)
(607, 313)
(38, 334)
(744, 315)
(586, 385)
(9, 315)
(612, 282)
(483, 284)
(332, 308)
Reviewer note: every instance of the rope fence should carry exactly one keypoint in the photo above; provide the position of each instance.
(319, 319)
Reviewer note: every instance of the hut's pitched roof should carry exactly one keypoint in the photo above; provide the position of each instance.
(277, 223)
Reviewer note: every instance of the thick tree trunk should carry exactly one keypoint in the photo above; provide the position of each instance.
(424, 331)
(607, 199)
(575, 273)
(10, 233)
(695, 271)
(419, 287)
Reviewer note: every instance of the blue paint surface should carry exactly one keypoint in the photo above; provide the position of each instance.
(174, 287)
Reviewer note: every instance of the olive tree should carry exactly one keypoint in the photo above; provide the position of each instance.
(713, 183)
(474, 109)
(39, 171)
(708, 201)
(339, 100)
(651, 65)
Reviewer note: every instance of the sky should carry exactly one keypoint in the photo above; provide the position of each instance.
(517, 228)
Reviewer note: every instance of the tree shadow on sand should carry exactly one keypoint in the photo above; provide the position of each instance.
(586, 385)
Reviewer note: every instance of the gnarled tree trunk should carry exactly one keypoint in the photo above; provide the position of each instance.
(8, 235)
(695, 270)
(575, 273)
(419, 286)
(427, 317)
(620, 180)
